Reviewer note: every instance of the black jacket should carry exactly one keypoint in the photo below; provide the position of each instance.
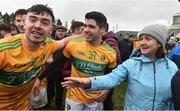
(175, 87)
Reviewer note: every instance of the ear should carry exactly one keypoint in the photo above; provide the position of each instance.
(102, 30)
(52, 28)
(159, 45)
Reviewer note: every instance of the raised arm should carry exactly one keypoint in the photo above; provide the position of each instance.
(63, 42)
(107, 81)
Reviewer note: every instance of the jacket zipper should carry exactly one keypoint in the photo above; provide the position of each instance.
(154, 71)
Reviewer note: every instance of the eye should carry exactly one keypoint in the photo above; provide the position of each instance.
(32, 20)
(18, 20)
(141, 37)
(92, 26)
(148, 38)
(45, 23)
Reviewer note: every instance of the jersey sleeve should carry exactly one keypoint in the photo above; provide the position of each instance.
(112, 60)
(54, 45)
(67, 49)
(2, 59)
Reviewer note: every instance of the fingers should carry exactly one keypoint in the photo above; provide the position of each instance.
(102, 96)
(67, 84)
(71, 82)
(76, 82)
(36, 91)
(36, 88)
(70, 79)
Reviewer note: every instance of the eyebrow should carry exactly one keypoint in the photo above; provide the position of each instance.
(43, 19)
(92, 26)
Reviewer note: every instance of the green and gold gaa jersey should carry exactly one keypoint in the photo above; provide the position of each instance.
(18, 67)
(87, 61)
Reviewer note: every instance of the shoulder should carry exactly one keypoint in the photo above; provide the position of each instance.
(77, 40)
(12, 38)
(108, 47)
(171, 63)
(11, 42)
(48, 41)
(177, 48)
(131, 63)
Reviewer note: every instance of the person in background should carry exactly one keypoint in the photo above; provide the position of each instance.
(61, 32)
(148, 73)
(54, 89)
(171, 43)
(177, 38)
(14, 29)
(110, 38)
(77, 27)
(5, 30)
(136, 43)
(175, 88)
(174, 55)
(20, 16)
(125, 46)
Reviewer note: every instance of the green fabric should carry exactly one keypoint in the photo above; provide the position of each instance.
(16, 79)
(88, 67)
(9, 45)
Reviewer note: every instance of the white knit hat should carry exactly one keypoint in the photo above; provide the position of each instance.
(157, 31)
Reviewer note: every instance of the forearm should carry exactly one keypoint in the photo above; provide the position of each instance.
(62, 43)
(107, 81)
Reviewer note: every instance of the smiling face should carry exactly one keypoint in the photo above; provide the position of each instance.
(148, 46)
(92, 31)
(20, 22)
(61, 33)
(38, 27)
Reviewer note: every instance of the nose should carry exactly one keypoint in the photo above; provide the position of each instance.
(37, 24)
(22, 23)
(86, 29)
(142, 41)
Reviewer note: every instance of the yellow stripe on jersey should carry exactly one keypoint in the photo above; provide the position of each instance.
(10, 45)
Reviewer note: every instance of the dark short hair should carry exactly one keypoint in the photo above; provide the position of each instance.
(5, 27)
(21, 12)
(40, 8)
(99, 17)
(107, 27)
(76, 25)
(14, 26)
(61, 27)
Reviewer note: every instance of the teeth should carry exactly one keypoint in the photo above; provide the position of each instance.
(37, 33)
(144, 47)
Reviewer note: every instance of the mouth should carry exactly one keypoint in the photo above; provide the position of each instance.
(143, 47)
(87, 35)
(36, 34)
